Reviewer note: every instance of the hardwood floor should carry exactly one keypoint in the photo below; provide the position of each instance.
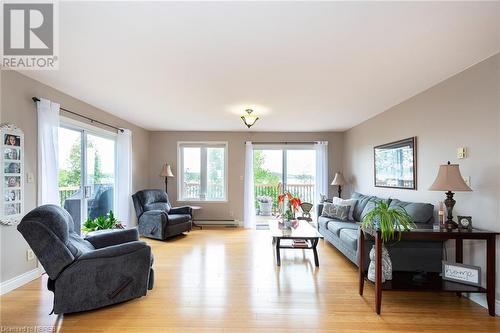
(226, 280)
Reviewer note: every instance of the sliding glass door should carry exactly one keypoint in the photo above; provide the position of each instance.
(87, 164)
(284, 168)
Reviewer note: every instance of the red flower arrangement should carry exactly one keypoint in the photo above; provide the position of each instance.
(294, 202)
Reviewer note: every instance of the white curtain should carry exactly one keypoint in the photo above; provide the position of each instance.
(321, 169)
(48, 152)
(123, 181)
(249, 195)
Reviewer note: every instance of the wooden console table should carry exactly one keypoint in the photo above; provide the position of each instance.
(403, 281)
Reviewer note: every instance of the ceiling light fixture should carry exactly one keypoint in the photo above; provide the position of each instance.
(249, 119)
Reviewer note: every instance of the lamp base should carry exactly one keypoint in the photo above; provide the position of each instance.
(450, 225)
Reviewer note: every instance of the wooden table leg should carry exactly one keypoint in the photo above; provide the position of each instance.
(459, 255)
(490, 273)
(361, 260)
(315, 251)
(278, 257)
(378, 272)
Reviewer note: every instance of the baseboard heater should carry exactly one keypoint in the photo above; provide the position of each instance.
(218, 222)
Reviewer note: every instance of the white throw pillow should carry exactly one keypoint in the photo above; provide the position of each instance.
(346, 202)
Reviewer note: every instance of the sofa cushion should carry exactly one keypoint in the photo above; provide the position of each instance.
(362, 200)
(349, 202)
(419, 212)
(323, 222)
(339, 212)
(369, 206)
(350, 238)
(335, 226)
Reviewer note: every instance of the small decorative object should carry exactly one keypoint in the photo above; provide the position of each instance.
(249, 119)
(322, 198)
(396, 164)
(11, 174)
(386, 265)
(388, 220)
(166, 171)
(466, 274)
(449, 179)
(465, 222)
(102, 223)
(339, 181)
(265, 205)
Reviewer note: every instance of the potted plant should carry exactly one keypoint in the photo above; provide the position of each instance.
(265, 205)
(389, 221)
(101, 223)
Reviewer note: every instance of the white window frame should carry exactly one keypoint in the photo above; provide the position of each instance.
(203, 168)
(85, 129)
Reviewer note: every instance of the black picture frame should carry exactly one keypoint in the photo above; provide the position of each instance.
(391, 159)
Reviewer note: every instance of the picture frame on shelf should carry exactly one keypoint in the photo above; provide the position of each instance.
(464, 222)
(461, 273)
(11, 174)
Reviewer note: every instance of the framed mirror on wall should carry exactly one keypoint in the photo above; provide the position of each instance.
(11, 174)
(395, 164)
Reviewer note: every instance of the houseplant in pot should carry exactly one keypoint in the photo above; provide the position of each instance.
(102, 223)
(265, 205)
(389, 221)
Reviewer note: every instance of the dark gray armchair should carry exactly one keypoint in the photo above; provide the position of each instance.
(157, 218)
(106, 268)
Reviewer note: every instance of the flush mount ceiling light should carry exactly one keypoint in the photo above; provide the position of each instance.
(249, 119)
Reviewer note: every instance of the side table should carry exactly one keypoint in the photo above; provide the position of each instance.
(196, 208)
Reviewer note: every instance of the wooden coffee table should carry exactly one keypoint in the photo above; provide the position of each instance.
(299, 230)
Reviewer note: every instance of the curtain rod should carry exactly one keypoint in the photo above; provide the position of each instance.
(284, 142)
(36, 99)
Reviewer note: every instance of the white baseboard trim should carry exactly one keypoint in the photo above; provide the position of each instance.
(20, 280)
(481, 300)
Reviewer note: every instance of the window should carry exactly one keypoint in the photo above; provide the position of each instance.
(202, 171)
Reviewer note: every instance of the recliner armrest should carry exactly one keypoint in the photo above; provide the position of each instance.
(105, 238)
(181, 210)
(114, 250)
(158, 215)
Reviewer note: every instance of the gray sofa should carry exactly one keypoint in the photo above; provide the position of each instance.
(84, 274)
(157, 218)
(423, 256)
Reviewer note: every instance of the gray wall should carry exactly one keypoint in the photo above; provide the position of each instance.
(163, 149)
(463, 111)
(18, 108)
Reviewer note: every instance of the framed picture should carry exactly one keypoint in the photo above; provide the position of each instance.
(11, 174)
(466, 274)
(395, 164)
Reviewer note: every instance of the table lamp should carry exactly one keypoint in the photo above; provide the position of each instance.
(166, 172)
(449, 179)
(339, 181)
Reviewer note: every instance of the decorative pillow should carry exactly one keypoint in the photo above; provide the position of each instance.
(338, 212)
(348, 202)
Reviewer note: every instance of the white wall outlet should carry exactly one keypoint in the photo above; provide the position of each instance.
(231, 213)
(30, 255)
(461, 152)
(466, 180)
(30, 177)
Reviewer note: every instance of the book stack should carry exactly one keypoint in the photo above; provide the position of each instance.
(300, 243)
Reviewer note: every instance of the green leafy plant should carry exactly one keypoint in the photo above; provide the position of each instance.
(101, 223)
(388, 220)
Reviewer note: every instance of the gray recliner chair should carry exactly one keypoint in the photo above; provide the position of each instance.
(103, 269)
(157, 218)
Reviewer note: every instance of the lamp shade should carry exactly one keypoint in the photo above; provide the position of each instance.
(338, 179)
(166, 171)
(449, 179)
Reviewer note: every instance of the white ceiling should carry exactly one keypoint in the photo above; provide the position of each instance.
(302, 66)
